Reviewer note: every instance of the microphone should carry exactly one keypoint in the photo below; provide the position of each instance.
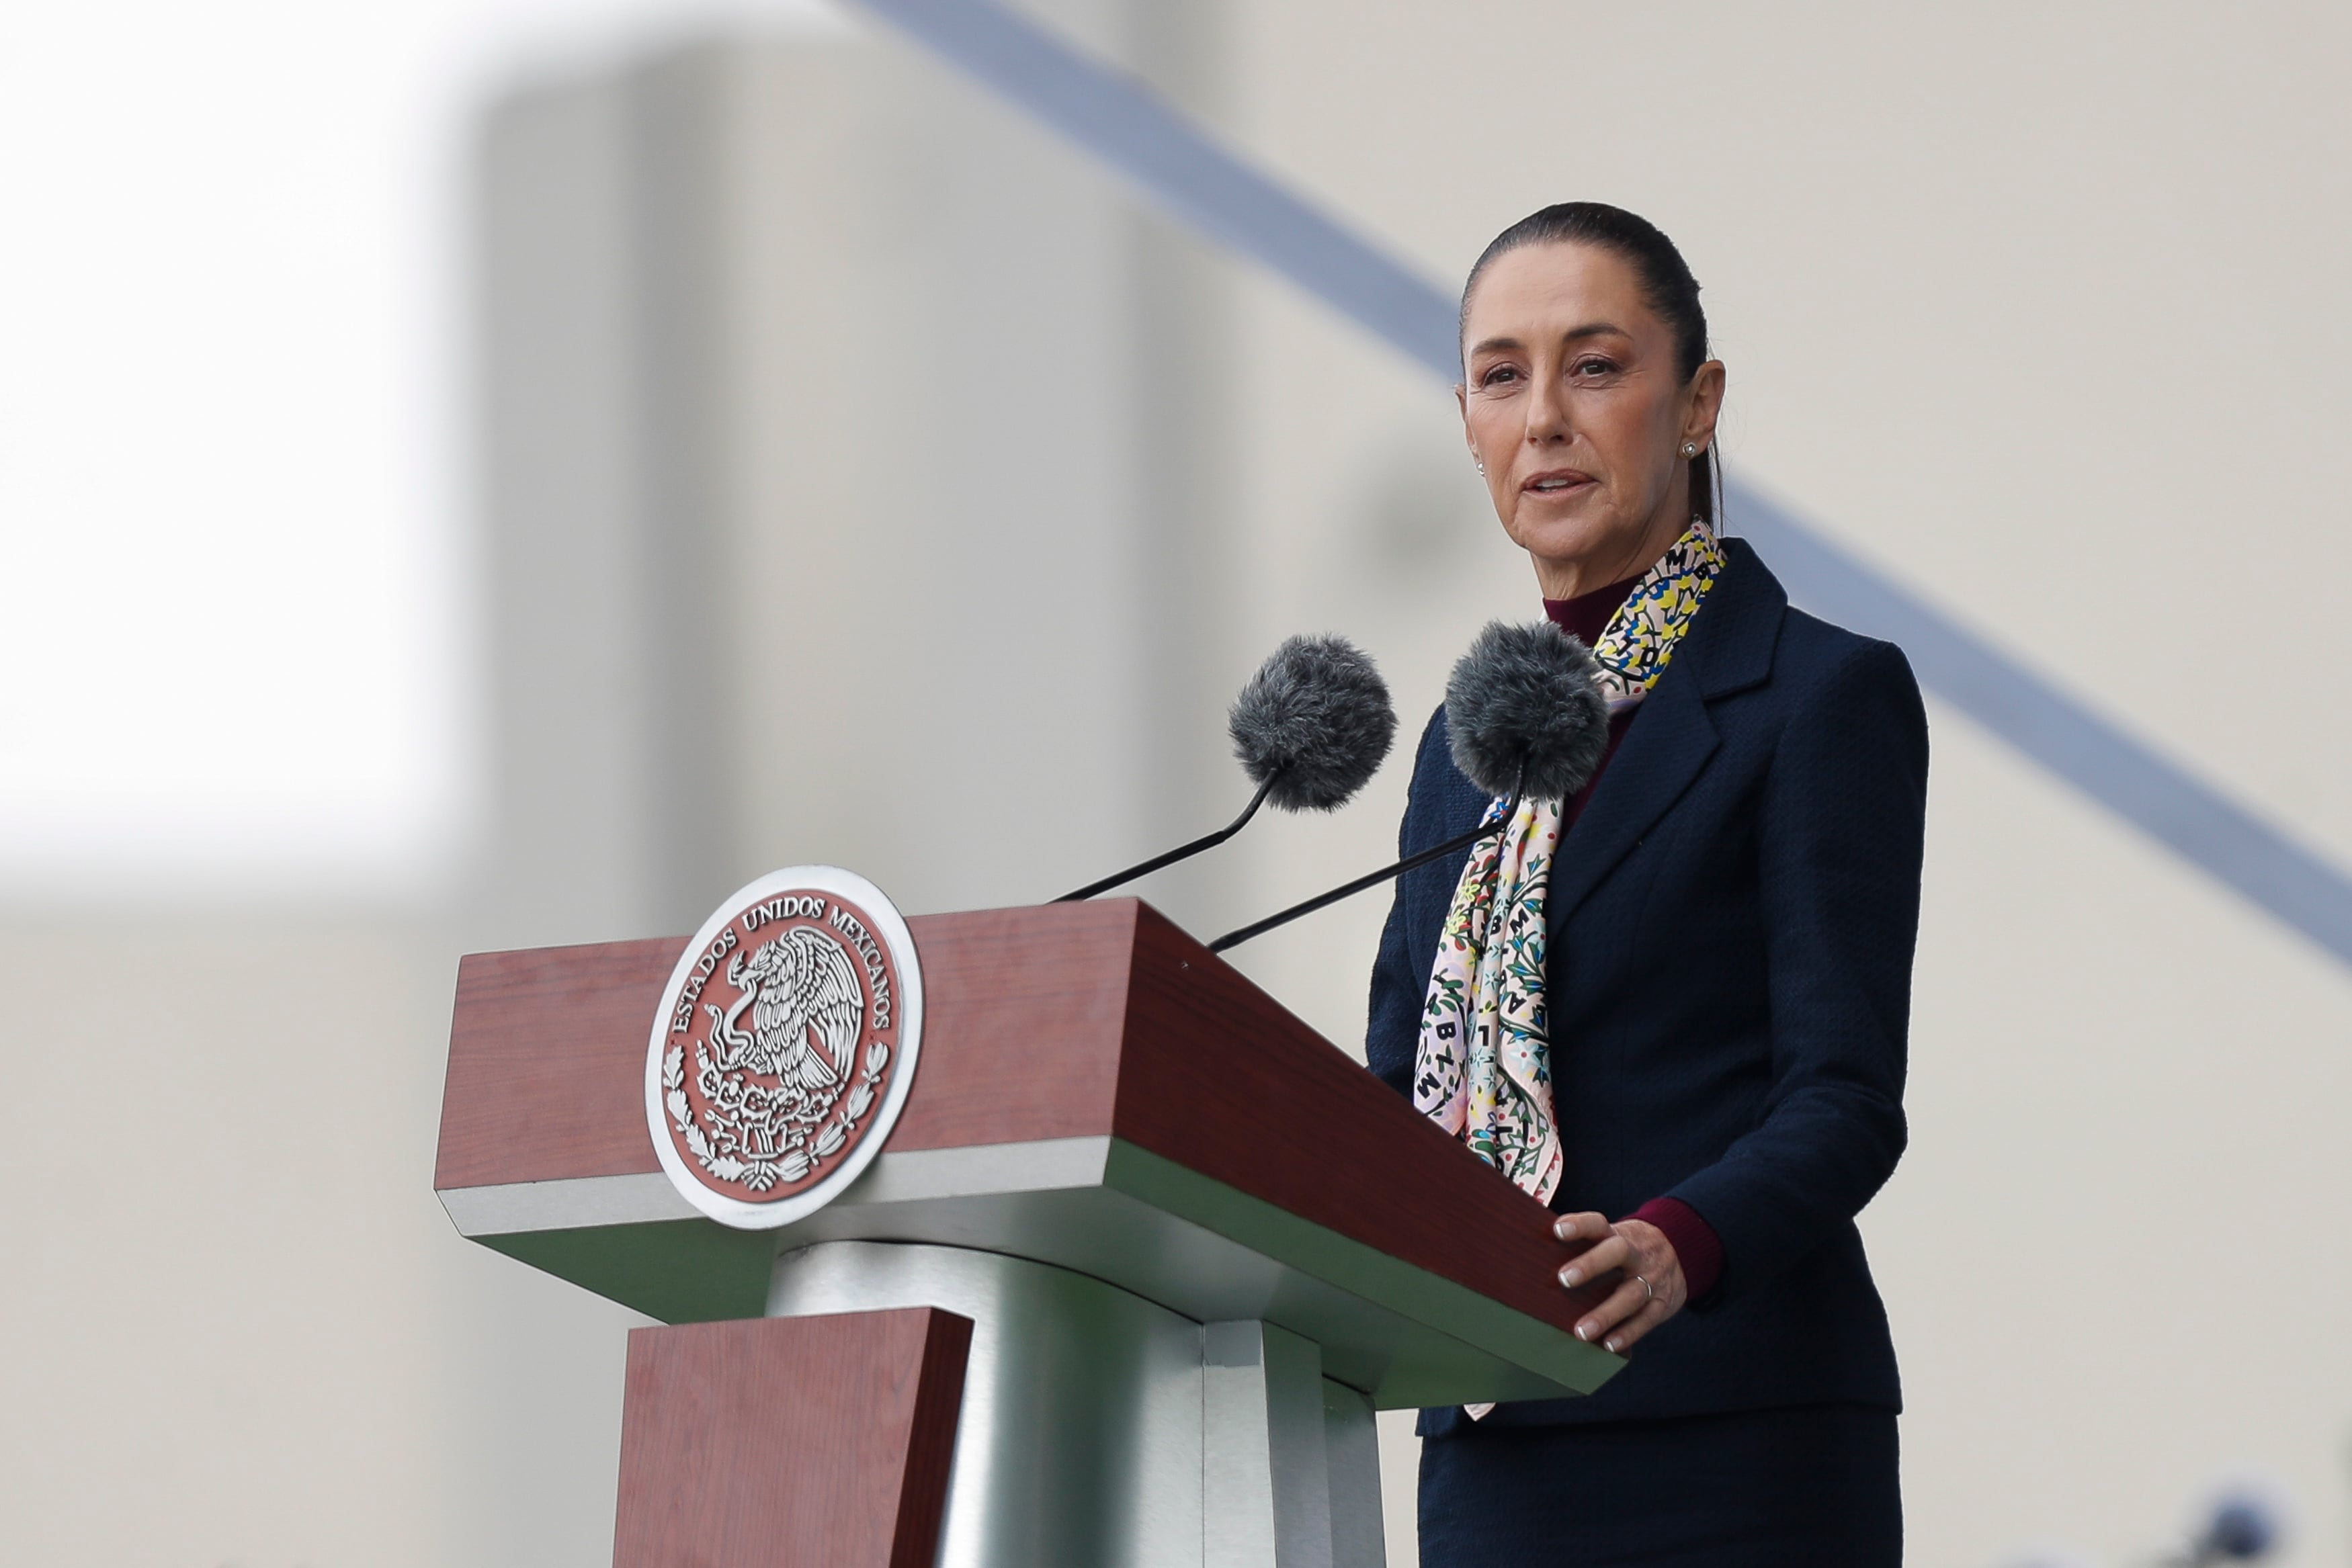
(1523, 717)
(1310, 728)
(2242, 1528)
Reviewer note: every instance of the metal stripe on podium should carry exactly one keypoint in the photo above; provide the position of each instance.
(1171, 162)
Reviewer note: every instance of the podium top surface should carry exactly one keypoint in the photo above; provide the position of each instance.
(1096, 1089)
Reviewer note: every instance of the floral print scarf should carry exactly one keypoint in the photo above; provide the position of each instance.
(1482, 1069)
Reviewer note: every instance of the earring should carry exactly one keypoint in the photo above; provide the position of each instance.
(1689, 449)
(1482, 466)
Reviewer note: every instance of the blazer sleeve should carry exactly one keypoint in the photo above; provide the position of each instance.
(1393, 1029)
(1839, 836)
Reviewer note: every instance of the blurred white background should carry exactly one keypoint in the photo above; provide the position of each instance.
(236, 625)
(430, 435)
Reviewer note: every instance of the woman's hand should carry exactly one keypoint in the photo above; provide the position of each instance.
(1652, 1291)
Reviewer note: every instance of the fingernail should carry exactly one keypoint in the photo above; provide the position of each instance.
(1570, 1277)
(1610, 1345)
(1582, 1332)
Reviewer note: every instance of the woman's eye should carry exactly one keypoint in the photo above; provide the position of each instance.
(1594, 367)
(1499, 374)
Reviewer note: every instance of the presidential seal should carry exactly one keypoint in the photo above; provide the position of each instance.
(785, 1047)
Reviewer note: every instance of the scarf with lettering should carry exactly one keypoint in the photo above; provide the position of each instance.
(1482, 1069)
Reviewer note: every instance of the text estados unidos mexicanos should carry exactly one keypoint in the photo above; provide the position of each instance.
(792, 906)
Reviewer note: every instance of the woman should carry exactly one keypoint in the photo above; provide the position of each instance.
(1687, 1035)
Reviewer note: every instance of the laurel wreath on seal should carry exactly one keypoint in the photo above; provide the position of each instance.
(792, 1165)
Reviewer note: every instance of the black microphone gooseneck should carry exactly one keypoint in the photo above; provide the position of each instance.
(1235, 938)
(1205, 841)
(1310, 728)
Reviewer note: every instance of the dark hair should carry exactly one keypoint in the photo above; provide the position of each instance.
(1666, 283)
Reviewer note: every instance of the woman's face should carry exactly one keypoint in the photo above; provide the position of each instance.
(1574, 403)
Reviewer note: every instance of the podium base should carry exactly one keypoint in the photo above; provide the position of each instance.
(1098, 1431)
(771, 1440)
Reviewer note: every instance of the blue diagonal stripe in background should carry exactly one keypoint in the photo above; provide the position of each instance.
(1122, 122)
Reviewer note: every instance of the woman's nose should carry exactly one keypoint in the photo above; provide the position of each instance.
(1547, 412)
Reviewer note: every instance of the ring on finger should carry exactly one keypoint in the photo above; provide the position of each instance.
(1646, 1289)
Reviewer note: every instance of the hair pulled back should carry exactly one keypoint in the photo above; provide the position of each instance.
(1667, 287)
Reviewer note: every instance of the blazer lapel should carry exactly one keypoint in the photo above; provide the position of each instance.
(1669, 742)
(1729, 648)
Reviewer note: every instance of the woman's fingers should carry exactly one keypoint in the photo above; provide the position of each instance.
(1623, 1338)
(1649, 1290)
(1580, 1232)
(1595, 1260)
(1607, 1322)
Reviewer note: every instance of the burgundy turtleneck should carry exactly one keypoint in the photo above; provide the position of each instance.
(1585, 618)
(1695, 1245)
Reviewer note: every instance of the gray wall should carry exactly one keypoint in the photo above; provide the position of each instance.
(858, 492)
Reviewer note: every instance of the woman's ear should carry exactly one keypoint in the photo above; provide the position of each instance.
(1705, 402)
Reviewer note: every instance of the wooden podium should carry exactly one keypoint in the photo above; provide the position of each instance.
(1140, 1259)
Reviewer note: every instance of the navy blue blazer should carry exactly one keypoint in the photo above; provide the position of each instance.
(1732, 925)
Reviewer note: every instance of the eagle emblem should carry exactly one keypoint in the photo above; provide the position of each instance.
(805, 1005)
(779, 1037)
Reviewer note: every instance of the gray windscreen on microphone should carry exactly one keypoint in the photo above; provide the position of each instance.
(1526, 694)
(1316, 720)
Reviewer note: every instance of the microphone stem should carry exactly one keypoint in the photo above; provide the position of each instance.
(1208, 841)
(1451, 846)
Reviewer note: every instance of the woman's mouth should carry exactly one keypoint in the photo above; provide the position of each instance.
(1556, 481)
